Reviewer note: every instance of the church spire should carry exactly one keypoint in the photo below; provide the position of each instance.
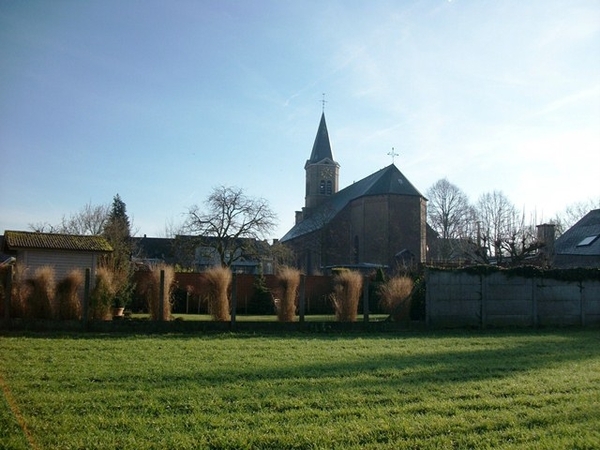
(322, 172)
(321, 148)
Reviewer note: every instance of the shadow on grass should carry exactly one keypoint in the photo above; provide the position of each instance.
(484, 358)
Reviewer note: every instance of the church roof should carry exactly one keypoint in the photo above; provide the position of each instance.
(321, 148)
(387, 181)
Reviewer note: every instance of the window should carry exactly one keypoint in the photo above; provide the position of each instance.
(322, 187)
(588, 240)
(329, 188)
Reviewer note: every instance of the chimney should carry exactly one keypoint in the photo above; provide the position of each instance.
(546, 236)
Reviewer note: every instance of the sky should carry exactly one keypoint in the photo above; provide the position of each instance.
(161, 102)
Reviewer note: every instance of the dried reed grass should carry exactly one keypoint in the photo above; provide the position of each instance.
(346, 295)
(41, 300)
(67, 296)
(218, 279)
(289, 280)
(395, 297)
(152, 291)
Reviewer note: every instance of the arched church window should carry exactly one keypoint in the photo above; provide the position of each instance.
(322, 187)
(355, 249)
(329, 187)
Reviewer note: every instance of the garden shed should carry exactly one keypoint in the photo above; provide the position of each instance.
(63, 252)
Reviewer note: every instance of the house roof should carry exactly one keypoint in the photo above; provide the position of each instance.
(583, 238)
(322, 147)
(14, 240)
(387, 181)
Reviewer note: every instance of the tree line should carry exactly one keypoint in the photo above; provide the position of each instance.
(492, 228)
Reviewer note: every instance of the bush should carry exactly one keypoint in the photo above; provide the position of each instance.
(346, 295)
(261, 301)
(218, 279)
(285, 306)
(67, 296)
(153, 292)
(395, 295)
(102, 295)
(40, 303)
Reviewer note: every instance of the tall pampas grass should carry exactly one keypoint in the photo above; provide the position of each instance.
(102, 295)
(395, 295)
(67, 296)
(41, 301)
(20, 292)
(153, 292)
(289, 280)
(218, 279)
(346, 295)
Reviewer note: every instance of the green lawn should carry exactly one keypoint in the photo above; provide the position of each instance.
(504, 389)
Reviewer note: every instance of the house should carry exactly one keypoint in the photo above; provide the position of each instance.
(199, 253)
(579, 246)
(63, 252)
(377, 221)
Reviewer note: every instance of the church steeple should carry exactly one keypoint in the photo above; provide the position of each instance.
(321, 148)
(322, 172)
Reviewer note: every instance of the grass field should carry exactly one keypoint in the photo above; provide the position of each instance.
(505, 389)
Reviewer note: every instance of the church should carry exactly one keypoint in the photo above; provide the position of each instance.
(377, 221)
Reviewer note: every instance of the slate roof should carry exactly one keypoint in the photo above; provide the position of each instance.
(14, 240)
(322, 147)
(588, 226)
(386, 181)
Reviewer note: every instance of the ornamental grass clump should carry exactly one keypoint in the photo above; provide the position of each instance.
(153, 292)
(289, 280)
(67, 296)
(102, 295)
(395, 297)
(218, 279)
(40, 303)
(19, 293)
(347, 288)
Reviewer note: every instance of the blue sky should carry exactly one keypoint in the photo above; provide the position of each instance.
(163, 101)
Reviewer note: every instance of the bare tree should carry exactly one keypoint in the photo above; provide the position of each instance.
(228, 220)
(450, 215)
(504, 234)
(90, 220)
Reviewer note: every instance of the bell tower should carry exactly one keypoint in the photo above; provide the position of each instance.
(322, 172)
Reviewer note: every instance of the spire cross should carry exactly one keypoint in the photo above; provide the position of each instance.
(393, 154)
(323, 101)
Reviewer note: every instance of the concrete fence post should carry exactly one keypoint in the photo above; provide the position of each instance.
(161, 297)
(534, 305)
(302, 298)
(233, 298)
(85, 314)
(365, 295)
(8, 293)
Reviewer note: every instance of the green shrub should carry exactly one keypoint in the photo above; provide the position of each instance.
(102, 295)
(218, 279)
(289, 281)
(346, 295)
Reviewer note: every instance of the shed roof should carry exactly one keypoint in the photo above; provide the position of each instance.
(386, 181)
(14, 240)
(583, 238)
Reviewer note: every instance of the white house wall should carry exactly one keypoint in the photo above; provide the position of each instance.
(62, 261)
